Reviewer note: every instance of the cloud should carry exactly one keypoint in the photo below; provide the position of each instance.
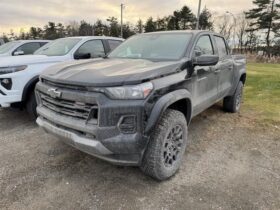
(16, 14)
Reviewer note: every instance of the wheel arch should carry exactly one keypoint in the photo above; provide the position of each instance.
(178, 100)
(29, 87)
(243, 78)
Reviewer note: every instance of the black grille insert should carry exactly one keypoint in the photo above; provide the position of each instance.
(70, 108)
(64, 86)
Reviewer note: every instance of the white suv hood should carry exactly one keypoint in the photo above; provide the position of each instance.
(30, 59)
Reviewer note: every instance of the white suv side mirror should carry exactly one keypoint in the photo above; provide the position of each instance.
(20, 52)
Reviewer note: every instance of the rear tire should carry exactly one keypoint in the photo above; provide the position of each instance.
(232, 103)
(31, 105)
(167, 146)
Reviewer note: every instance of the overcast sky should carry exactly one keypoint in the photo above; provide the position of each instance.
(16, 14)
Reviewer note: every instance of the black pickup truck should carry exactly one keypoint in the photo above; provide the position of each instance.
(134, 106)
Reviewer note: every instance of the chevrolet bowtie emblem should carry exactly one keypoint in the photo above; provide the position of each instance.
(54, 93)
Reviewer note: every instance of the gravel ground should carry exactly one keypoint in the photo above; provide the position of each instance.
(232, 162)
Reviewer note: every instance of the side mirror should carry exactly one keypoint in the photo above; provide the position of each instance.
(82, 56)
(206, 60)
(20, 52)
(197, 53)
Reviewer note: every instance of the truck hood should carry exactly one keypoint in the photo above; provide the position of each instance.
(109, 72)
(28, 60)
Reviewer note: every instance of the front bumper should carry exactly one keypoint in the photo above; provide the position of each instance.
(14, 94)
(104, 139)
(9, 98)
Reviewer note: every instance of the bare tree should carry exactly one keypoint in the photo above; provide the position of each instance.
(225, 26)
(241, 26)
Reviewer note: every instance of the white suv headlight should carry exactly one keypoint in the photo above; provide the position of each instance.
(11, 69)
(130, 92)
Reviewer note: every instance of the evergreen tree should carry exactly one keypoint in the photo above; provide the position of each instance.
(50, 31)
(171, 23)
(127, 32)
(205, 22)
(35, 33)
(187, 18)
(161, 24)
(265, 17)
(139, 26)
(150, 25)
(114, 27)
(86, 29)
(61, 32)
(99, 28)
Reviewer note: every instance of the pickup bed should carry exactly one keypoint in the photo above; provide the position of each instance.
(134, 107)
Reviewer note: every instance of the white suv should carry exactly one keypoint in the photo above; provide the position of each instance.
(21, 47)
(19, 75)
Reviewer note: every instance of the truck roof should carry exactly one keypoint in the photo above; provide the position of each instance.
(195, 32)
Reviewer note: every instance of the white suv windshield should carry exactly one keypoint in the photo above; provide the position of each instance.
(161, 46)
(7, 47)
(58, 47)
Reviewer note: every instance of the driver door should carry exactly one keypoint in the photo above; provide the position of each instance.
(205, 79)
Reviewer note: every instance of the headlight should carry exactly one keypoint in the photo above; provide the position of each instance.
(131, 92)
(12, 69)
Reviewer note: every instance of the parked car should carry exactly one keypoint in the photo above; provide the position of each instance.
(134, 107)
(21, 47)
(18, 75)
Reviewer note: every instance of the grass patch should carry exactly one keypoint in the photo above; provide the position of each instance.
(262, 91)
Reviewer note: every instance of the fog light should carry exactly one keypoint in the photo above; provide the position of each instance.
(127, 124)
(6, 83)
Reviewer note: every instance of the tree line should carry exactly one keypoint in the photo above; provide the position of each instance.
(253, 30)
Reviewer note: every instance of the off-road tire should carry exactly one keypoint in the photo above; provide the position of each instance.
(31, 105)
(155, 162)
(232, 103)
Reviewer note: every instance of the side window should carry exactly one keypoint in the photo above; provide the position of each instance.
(94, 47)
(43, 43)
(221, 45)
(113, 44)
(29, 48)
(203, 46)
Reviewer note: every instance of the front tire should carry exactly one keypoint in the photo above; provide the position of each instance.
(233, 103)
(167, 146)
(31, 105)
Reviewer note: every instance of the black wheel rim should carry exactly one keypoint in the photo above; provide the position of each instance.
(238, 100)
(173, 146)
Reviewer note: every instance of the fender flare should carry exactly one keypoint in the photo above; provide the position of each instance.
(28, 87)
(163, 103)
(237, 80)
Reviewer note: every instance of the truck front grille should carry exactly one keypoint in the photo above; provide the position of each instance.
(70, 108)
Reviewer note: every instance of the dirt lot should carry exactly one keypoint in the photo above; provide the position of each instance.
(232, 162)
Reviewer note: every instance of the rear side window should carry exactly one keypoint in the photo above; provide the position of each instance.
(29, 48)
(94, 47)
(221, 45)
(203, 46)
(113, 44)
(43, 43)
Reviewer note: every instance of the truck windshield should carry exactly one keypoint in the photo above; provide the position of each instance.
(8, 46)
(168, 46)
(58, 47)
